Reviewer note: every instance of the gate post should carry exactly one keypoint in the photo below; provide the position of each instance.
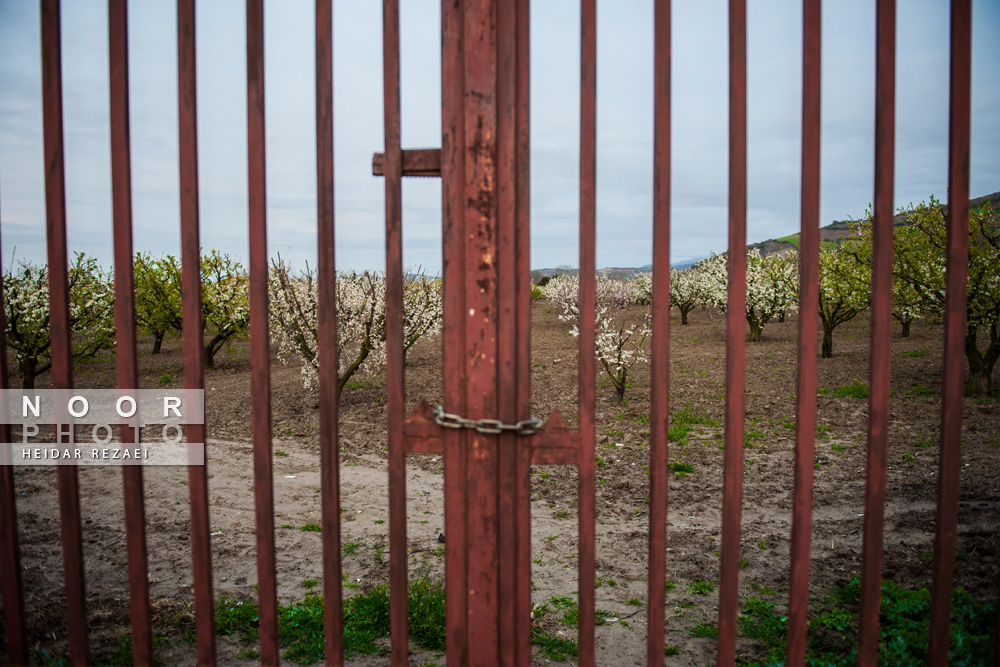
(483, 162)
(484, 167)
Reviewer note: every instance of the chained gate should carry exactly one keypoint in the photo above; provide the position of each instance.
(492, 441)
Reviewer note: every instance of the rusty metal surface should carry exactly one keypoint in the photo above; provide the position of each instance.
(735, 335)
(395, 370)
(805, 388)
(480, 284)
(191, 335)
(588, 295)
(59, 324)
(453, 327)
(952, 391)
(260, 345)
(416, 162)
(10, 549)
(881, 333)
(659, 373)
(125, 327)
(507, 301)
(326, 326)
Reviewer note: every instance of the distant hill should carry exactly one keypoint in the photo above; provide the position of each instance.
(828, 235)
(832, 233)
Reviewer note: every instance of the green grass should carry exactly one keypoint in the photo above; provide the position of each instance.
(366, 621)
(701, 587)
(855, 389)
(921, 390)
(688, 417)
(312, 528)
(280, 452)
(553, 648)
(671, 649)
(915, 353)
(705, 630)
(679, 433)
(905, 613)
(681, 469)
(751, 437)
(792, 239)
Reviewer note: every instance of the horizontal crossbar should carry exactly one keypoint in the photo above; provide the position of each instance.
(416, 162)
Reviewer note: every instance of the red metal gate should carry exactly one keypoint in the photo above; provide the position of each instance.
(484, 164)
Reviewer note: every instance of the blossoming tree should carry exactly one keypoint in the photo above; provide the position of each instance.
(620, 331)
(360, 317)
(772, 286)
(26, 305)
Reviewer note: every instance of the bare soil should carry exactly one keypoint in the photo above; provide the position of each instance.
(697, 383)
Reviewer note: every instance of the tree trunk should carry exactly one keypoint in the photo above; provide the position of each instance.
(781, 316)
(981, 365)
(620, 388)
(754, 332)
(210, 351)
(28, 373)
(827, 342)
(906, 328)
(158, 341)
(684, 316)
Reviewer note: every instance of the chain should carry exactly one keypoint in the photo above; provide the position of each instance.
(492, 426)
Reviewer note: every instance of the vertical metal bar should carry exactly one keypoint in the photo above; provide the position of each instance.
(805, 406)
(481, 293)
(394, 334)
(508, 298)
(194, 351)
(10, 548)
(260, 346)
(952, 392)
(735, 333)
(453, 334)
(588, 289)
(59, 322)
(125, 336)
(659, 400)
(522, 638)
(326, 330)
(881, 336)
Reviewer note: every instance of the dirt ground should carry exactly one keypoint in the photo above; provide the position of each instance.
(697, 372)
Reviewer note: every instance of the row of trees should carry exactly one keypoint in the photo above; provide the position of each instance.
(225, 311)
(920, 240)
(622, 319)
(225, 307)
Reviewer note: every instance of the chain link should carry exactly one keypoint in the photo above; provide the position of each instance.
(489, 426)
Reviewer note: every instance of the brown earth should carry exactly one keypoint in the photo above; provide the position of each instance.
(697, 371)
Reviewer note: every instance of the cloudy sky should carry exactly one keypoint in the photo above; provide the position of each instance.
(625, 71)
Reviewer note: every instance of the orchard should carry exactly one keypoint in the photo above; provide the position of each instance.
(622, 315)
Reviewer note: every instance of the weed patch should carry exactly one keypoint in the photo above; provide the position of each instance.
(855, 389)
(905, 615)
